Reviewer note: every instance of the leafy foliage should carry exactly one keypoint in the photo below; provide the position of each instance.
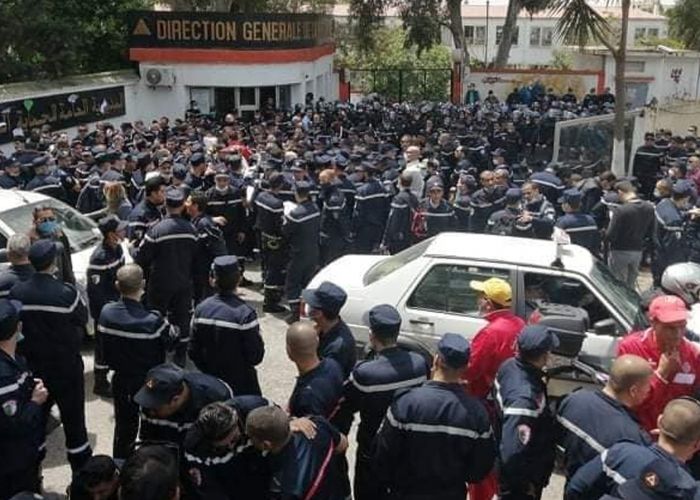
(684, 20)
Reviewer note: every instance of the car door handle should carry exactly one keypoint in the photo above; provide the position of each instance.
(421, 322)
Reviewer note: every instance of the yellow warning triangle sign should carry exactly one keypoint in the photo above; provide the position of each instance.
(141, 29)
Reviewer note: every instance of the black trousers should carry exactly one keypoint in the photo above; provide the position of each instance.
(176, 305)
(66, 387)
(366, 486)
(299, 273)
(100, 365)
(24, 479)
(274, 263)
(368, 238)
(126, 412)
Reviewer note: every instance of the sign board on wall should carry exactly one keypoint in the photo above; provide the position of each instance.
(61, 110)
(215, 30)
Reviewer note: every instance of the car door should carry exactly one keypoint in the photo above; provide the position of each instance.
(441, 300)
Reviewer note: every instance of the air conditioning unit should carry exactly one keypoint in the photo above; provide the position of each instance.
(158, 76)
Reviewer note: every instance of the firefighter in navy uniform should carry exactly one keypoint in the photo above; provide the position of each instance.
(435, 438)
(485, 201)
(511, 221)
(371, 209)
(647, 166)
(105, 261)
(53, 319)
(134, 341)
(225, 201)
(335, 223)
(581, 228)
(226, 340)
(168, 252)
(439, 215)
(12, 177)
(148, 211)
(210, 243)
(269, 218)
(670, 242)
(171, 399)
(526, 424)
(397, 235)
(371, 389)
(301, 229)
(22, 429)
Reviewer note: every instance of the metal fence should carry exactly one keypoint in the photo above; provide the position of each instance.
(395, 84)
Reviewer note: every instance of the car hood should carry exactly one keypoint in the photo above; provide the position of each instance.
(347, 272)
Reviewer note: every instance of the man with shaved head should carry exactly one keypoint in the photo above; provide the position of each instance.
(679, 440)
(320, 381)
(594, 420)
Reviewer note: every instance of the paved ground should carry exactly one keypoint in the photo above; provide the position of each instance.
(276, 373)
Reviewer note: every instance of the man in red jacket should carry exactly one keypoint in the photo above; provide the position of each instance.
(675, 359)
(491, 346)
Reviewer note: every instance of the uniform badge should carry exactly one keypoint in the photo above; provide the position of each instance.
(9, 408)
(95, 278)
(524, 433)
(151, 383)
(651, 480)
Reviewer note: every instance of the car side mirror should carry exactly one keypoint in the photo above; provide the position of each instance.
(605, 327)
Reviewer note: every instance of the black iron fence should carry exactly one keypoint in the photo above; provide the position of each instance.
(398, 84)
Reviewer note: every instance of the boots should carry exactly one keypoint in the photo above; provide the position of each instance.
(102, 386)
(271, 304)
(294, 314)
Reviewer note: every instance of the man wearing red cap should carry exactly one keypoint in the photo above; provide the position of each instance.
(674, 359)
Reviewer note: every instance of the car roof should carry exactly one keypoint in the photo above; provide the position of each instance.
(10, 199)
(508, 249)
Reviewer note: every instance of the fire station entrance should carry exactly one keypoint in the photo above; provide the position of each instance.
(245, 100)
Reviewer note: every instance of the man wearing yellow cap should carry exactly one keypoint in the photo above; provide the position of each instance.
(491, 346)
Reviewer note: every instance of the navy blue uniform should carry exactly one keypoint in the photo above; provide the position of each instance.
(543, 216)
(269, 218)
(484, 203)
(369, 391)
(550, 185)
(301, 229)
(621, 462)
(670, 246)
(397, 235)
(12, 275)
(527, 430)
(242, 472)
(21, 428)
(226, 342)
(371, 208)
(53, 318)
(433, 440)
(305, 468)
(91, 198)
(134, 340)
(348, 189)
(339, 344)
(210, 244)
(204, 389)
(317, 392)
(592, 422)
(168, 251)
(228, 204)
(507, 222)
(46, 184)
(438, 218)
(463, 211)
(11, 182)
(646, 167)
(335, 224)
(142, 217)
(582, 230)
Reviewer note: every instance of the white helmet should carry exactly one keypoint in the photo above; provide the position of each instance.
(683, 280)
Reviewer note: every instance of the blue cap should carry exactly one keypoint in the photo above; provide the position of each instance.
(570, 196)
(367, 166)
(323, 160)
(110, 224)
(662, 478)
(224, 265)
(498, 152)
(163, 382)
(197, 159)
(40, 161)
(9, 316)
(682, 188)
(174, 196)
(298, 166)
(434, 183)
(327, 297)
(179, 171)
(340, 160)
(302, 187)
(537, 338)
(222, 171)
(513, 195)
(454, 350)
(42, 253)
(383, 319)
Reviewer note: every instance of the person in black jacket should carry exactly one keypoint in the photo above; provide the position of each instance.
(105, 261)
(397, 235)
(371, 208)
(226, 339)
(335, 223)
(168, 253)
(22, 397)
(53, 320)
(134, 341)
(46, 226)
(647, 165)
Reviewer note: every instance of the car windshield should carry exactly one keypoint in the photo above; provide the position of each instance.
(80, 230)
(391, 264)
(626, 299)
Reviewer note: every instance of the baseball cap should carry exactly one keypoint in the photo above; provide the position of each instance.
(454, 350)
(682, 188)
(668, 309)
(570, 196)
(174, 196)
(537, 338)
(9, 316)
(327, 297)
(42, 252)
(660, 479)
(225, 265)
(383, 319)
(495, 289)
(110, 224)
(302, 187)
(163, 382)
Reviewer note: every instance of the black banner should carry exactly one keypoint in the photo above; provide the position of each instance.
(215, 30)
(60, 111)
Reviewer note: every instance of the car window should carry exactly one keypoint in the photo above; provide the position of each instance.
(565, 290)
(391, 264)
(445, 288)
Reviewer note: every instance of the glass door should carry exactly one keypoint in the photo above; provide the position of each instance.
(248, 102)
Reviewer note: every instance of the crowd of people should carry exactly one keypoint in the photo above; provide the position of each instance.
(193, 201)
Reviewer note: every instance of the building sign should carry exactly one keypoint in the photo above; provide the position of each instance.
(60, 111)
(214, 30)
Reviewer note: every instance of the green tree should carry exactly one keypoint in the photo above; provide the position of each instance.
(684, 20)
(53, 38)
(253, 6)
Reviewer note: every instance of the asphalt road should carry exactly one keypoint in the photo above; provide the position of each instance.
(277, 375)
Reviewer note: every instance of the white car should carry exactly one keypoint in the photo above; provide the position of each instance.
(429, 285)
